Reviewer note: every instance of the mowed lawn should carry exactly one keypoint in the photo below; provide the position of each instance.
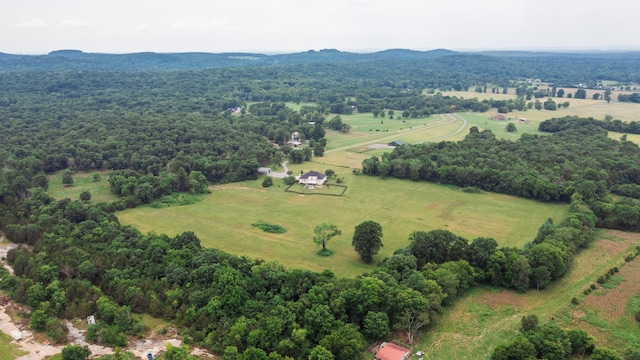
(223, 219)
(486, 317)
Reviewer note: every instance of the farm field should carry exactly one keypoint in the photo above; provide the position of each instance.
(486, 316)
(223, 219)
(579, 107)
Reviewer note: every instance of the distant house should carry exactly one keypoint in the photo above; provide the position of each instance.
(312, 178)
(264, 171)
(295, 140)
(499, 117)
(397, 143)
(390, 351)
(522, 120)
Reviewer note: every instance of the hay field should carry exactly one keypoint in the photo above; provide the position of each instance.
(223, 219)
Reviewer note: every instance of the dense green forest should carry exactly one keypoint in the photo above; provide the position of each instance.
(168, 131)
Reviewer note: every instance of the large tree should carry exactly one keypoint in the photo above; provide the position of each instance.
(325, 232)
(367, 240)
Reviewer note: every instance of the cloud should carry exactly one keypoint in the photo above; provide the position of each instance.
(75, 23)
(34, 23)
(139, 27)
(205, 25)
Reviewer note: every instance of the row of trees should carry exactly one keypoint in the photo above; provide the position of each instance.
(549, 341)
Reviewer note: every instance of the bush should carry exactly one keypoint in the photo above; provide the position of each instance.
(267, 182)
(638, 316)
(593, 286)
(57, 331)
(575, 301)
(587, 291)
(289, 180)
(38, 320)
(270, 228)
(601, 280)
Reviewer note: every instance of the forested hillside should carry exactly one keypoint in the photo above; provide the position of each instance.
(163, 131)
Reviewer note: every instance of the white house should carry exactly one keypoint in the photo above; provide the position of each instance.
(314, 178)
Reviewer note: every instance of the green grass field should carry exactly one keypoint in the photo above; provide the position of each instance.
(8, 351)
(579, 107)
(223, 219)
(81, 181)
(485, 316)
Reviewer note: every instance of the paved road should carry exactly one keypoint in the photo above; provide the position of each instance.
(280, 175)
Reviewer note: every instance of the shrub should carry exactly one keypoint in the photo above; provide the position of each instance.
(638, 316)
(270, 228)
(587, 291)
(593, 286)
(601, 279)
(289, 180)
(267, 182)
(575, 301)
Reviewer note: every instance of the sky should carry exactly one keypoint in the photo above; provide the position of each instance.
(285, 26)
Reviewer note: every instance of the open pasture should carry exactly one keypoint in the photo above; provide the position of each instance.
(588, 107)
(223, 219)
(486, 316)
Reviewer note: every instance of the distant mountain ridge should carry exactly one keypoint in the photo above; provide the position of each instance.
(69, 59)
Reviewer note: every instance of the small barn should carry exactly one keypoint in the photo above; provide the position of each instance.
(499, 117)
(313, 178)
(390, 351)
(397, 143)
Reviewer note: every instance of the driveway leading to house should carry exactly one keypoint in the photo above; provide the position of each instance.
(280, 175)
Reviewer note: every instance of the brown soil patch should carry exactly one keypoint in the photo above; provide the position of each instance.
(612, 247)
(503, 298)
(611, 305)
(447, 212)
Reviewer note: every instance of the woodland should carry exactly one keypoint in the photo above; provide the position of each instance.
(165, 129)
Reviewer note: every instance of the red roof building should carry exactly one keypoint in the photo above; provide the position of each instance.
(389, 351)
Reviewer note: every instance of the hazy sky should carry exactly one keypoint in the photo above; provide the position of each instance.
(122, 26)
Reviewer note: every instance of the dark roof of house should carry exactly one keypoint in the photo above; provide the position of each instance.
(317, 174)
(397, 143)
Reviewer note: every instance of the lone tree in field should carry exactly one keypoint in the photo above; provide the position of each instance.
(325, 232)
(511, 127)
(67, 177)
(367, 240)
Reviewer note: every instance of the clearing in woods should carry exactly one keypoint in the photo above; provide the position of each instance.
(223, 219)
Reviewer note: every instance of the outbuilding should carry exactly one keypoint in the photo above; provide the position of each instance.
(391, 351)
(397, 143)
